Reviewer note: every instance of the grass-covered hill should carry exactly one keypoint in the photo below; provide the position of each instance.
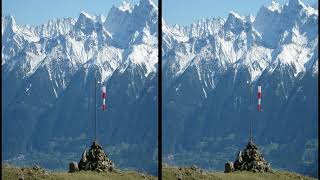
(191, 173)
(11, 173)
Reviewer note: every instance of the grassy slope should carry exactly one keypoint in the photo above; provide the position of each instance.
(174, 173)
(9, 173)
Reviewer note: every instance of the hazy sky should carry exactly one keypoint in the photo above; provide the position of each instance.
(184, 12)
(36, 12)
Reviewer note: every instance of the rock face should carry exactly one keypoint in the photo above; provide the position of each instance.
(95, 159)
(228, 167)
(73, 167)
(251, 159)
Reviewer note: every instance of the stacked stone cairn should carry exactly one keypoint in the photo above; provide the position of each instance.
(250, 159)
(95, 160)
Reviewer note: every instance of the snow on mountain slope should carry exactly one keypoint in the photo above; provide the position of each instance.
(279, 34)
(14, 38)
(89, 39)
(177, 34)
(126, 23)
(55, 27)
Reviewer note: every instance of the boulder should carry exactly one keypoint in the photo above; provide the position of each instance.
(37, 168)
(228, 167)
(194, 167)
(73, 167)
(21, 176)
(84, 157)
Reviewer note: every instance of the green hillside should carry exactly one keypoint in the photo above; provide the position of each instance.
(9, 172)
(176, 173)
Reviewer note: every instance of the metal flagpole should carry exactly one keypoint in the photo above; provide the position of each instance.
(89, 104)
(251, 128)
(251, 121)
(95, 105)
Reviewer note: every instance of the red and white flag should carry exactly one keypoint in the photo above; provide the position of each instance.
(259, 98)
(104, 95)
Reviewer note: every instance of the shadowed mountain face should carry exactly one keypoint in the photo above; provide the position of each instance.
(211, 72)
(48, 79)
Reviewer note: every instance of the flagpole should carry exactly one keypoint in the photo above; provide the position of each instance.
(251, 121)
(95, 105)
(89, 105)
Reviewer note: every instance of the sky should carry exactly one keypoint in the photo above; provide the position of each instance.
(181, 12)
(185, 12)
(35, 12)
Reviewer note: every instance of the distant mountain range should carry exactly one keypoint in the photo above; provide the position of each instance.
(211, 70)
(48, 78)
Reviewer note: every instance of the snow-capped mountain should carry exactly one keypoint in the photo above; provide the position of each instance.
(284, 34)
(89, 38)
(211, 71)
(48, 75)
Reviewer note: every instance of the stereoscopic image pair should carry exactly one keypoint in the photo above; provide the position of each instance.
(151, 89)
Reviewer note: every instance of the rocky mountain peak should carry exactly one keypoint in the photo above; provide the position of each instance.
(8, 22)
(125, 6)
(275, 6)
(85, 23)
(128, 24)
(296, 4)
(148, 4)
(234, 23)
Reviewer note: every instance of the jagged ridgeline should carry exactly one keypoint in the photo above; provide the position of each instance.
(48, 77)
(210, 68)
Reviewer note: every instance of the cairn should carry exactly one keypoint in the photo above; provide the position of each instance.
(250, 159)
(95, 160)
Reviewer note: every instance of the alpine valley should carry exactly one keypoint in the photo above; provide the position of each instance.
(48, 78)
(211, 70)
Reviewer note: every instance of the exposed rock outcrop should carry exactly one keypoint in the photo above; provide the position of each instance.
(250, 159)
(95, 160)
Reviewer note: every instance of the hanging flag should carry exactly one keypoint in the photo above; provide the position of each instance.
(104, 94)
(259, 98)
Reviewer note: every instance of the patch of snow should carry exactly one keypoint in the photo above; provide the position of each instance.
(55, 92)
(236, 15)
(177, 88)
(144, 55)
(87, 15)
(125, 6)
(204, 92)
(275, 6)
